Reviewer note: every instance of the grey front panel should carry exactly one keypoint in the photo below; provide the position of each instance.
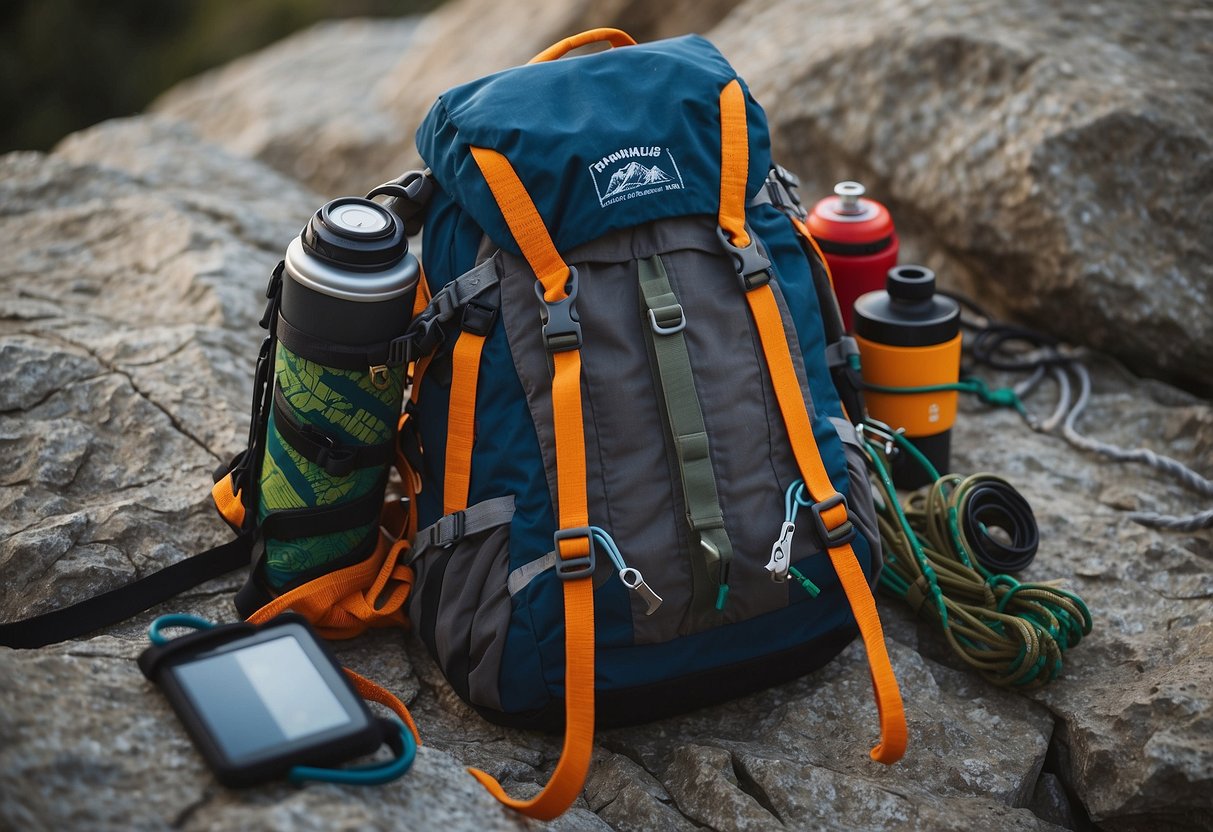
(633, 483)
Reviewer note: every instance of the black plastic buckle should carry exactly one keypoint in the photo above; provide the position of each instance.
(478, 318)
(561, 325)
(569, 569)
(424, 336)
(751, 265)
(841, 534)
(786, 184)
(275, 283)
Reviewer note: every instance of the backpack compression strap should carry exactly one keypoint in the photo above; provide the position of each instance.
(557, 284)
(754, 271)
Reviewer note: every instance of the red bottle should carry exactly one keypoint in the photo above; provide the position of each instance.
(858, 240)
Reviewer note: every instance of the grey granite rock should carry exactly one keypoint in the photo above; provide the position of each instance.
(307, 106)
(337, 105)
(1042, 156)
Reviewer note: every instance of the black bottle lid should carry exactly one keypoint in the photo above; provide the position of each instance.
(907, 312)
(355, 233)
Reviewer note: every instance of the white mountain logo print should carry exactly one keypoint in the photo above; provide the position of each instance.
(631, 172)
(635, 175)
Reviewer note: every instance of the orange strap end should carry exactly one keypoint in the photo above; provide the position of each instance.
(734, 163)
(229, 502)
(375, 693)
(615, 37)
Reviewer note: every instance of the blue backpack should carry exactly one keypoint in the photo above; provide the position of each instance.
(637, 488)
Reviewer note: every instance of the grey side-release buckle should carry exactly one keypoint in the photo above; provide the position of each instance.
(841, 534)
(569, 569)
(751, 265)
(561, 326)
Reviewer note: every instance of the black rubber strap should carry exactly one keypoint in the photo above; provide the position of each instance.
(319, 448)
(120, 604)
(996, 504)
(313, 521)
(338, 356)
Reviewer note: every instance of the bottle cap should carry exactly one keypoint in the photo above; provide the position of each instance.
(355, 233)
(910, 283)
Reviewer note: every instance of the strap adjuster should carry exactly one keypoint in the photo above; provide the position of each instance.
(336, 459)
(841, 534)
(478, 318)
(569, 569)
(561, 325)
(752, 267)
(668, 320)
(449, 530)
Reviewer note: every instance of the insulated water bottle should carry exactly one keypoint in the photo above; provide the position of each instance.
(856, 235)
(909, 337)
(347, 291)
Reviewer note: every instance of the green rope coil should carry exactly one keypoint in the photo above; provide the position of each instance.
(1013, 633)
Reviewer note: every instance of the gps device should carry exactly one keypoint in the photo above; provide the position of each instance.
(266, 702)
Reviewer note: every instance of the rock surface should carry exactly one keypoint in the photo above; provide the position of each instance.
(131, 286)
(337, 105)
(1044, 157)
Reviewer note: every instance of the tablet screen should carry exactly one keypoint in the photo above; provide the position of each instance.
(260, 696)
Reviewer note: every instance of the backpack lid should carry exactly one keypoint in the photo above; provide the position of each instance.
(601, 142)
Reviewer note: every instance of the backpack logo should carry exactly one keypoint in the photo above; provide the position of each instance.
(635, 171)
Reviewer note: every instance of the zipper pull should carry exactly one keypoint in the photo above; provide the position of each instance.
(781, 554)
(634, 581)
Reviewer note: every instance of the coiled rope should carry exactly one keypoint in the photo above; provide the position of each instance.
(1014, 633)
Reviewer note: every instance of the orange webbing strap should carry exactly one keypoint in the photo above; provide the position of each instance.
(461, 421)
(229, 502)
(375, 693)
(615, 37)
(804, 232)
(734, 163)
(569, 776)
(524, 221)
(532, 237)
(347, 602)
(771, 333)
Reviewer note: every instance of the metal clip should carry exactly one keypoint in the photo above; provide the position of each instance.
(634, 581)
(781, 554)
(380, 377)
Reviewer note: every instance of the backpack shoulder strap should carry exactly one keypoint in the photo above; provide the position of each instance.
(831, 505)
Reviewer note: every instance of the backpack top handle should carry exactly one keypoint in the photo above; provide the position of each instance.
(615, 37)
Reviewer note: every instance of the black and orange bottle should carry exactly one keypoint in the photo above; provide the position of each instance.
(909, 338)
(856, 235)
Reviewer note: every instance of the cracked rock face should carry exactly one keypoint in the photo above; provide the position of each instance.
(1041, 156)
(131, 283)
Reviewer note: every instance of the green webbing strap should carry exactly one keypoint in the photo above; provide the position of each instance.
(663, 325)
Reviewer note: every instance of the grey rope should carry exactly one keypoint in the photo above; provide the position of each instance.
(1066, 415)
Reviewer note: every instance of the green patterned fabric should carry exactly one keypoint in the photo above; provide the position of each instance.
(346, 406)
